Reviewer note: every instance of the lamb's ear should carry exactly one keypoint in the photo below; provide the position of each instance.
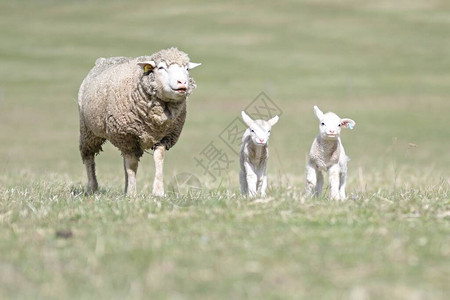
(247, 119)
(273, 121)
(348, 123)
(147, 65)
(318, 112)
(192, 65)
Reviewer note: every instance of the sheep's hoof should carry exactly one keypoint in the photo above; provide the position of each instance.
(130, 194)
(91, 190)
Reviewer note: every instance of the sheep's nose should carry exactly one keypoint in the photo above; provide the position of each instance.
(261, 140)
(181, 85)
(331, 131)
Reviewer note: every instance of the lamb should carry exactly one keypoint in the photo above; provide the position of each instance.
(254, 155)
(137, 104)
(327, 154)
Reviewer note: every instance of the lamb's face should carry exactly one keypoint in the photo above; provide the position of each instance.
(172, 79)
(259, 130)
(330, 124)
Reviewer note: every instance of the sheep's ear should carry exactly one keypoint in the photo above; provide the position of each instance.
(318, 112)
(247, 119)
(192, 65)
(273, 121)
(348, 123)
(147, 65)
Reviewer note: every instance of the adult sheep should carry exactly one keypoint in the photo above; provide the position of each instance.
(136, 104)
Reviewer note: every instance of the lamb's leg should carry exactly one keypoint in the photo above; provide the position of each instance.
(319, 185)
(130, 164)
(311, 180)
(158, 183)
(263, 185)
(243, 182)
(343, 183)
(333, 177)
(252, 180)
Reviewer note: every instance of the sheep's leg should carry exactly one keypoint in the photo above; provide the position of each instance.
(158, 183)
(333, 177)
(311, 180)
(90, 145)
(92, 184)
(243, 182)
(130, 164)
(343, 183)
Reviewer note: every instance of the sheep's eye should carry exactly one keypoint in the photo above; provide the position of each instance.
(339, 125)
(268, 131)
(322, 124)
(161, 68)
(252, 130)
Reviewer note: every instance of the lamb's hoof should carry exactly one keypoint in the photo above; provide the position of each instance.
(252, 194)
(158, 193)
(338, 199)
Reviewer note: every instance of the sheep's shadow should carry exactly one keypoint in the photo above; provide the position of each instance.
(81, 191)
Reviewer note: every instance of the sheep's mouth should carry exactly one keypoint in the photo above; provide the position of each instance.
(180, 90)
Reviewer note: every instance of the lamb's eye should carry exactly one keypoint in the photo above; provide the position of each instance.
(268, 131)
(323, 124)
(339, 125)
(161, 68)
(252, 130)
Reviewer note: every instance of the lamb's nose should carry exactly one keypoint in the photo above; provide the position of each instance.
(181, 82)
(261, 140)
(331, 131)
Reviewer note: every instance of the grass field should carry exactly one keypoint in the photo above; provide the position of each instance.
(384, 64)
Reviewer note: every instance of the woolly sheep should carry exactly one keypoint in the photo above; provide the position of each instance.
(137, 104)
(254, 155)
(327, 154)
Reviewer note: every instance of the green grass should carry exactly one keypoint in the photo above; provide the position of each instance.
(384, 64)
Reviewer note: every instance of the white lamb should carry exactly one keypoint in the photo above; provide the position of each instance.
(327, 154)
(254, 155)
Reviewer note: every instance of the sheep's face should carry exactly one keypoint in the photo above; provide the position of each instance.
(330, 124)
(259, 130)
(172, 79)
